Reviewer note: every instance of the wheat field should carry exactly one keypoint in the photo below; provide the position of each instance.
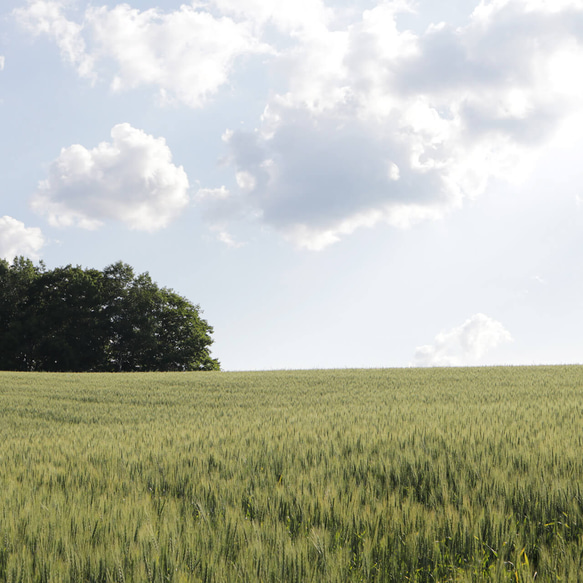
(425, 475)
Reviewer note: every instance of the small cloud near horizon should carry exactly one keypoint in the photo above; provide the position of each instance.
(463, 345)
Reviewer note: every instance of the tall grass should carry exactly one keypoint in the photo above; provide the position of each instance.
(340, 476)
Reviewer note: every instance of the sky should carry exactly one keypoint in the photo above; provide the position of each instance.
(337, 184)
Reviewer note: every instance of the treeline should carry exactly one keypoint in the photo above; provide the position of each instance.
(77, 319)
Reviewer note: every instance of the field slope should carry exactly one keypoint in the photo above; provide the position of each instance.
(348, 475)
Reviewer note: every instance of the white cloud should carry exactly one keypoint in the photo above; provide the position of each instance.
(16, 239)
(465, 345)
(366, 124)
(383, 126)
(246, 181)
(47, 17)
(2, 61)
(187, 54)
(227, 239)
(130, 179)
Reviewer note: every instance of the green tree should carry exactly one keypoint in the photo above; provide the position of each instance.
(153, 328)
(66, 324)
(15, 284)
(75, 319)
(184, 335)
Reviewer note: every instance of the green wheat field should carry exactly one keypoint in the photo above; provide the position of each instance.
(425, 475)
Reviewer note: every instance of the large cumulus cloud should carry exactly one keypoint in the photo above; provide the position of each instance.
(384, 126)
(315, 179)
(131, 179)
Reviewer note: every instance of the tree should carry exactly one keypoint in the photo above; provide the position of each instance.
(75, 319)
(66, 326)
(15, 283)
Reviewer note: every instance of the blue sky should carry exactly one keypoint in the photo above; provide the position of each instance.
(350, 183)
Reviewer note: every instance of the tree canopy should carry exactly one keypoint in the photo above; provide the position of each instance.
(77, 319)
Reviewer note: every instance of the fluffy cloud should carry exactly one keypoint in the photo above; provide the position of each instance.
(366, 123)
(315, 181)
(16, 239)
(383, 126)
(187, 54)
(2, 60)
(130, 179)
(463, 345)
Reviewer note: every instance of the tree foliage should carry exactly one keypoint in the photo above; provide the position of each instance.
(76, 319)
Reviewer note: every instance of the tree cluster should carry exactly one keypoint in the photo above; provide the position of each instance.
(76, 319)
